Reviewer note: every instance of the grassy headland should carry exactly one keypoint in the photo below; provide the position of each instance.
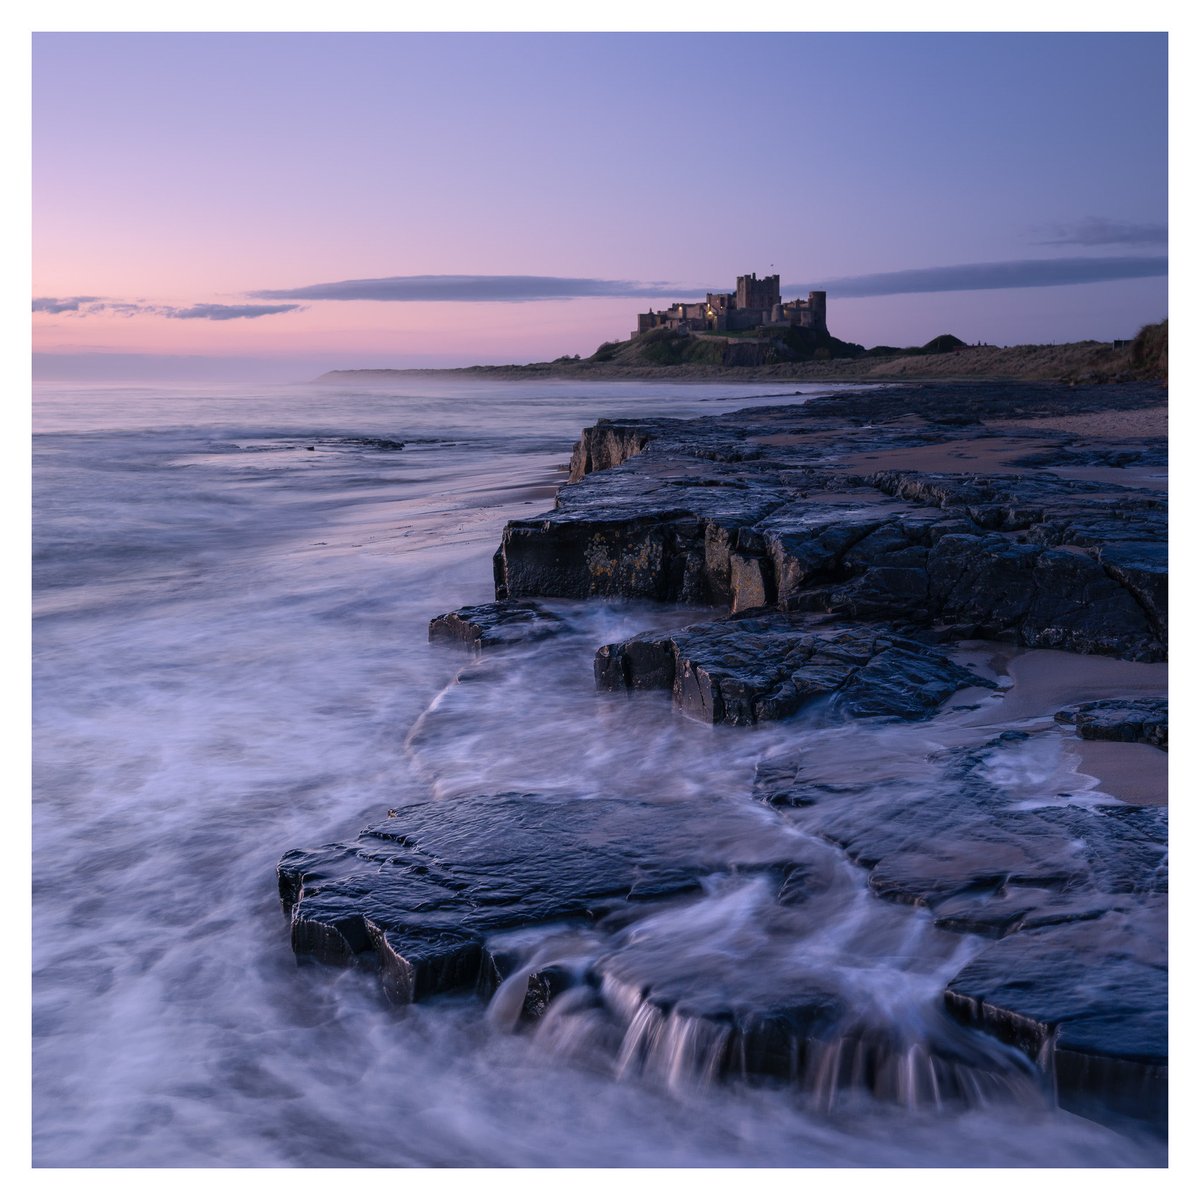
(945, 358)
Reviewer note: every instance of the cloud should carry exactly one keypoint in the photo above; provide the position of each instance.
(85, 306)
(227, 312)
(1024, 273)
(974, 277)
(464, 288)
(52, 304)
(1100, 231)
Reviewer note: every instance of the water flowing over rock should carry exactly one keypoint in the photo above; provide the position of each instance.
(1100, 1032)
(634, 949)
(955, 913)
(423, 889)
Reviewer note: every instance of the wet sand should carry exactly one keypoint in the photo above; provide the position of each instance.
(1127, 771)
(1130, 423)
(988, 455)
(1046, 681)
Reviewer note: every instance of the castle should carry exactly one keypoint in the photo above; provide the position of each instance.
(755, 304)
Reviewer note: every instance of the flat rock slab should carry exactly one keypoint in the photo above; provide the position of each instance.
(502, 623)
(1102, 1031)
(423, 889)
(642, 944)
(944, 833)
(767, 666)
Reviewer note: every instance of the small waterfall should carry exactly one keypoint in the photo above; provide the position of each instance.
(643, 1002)
(636, 1036)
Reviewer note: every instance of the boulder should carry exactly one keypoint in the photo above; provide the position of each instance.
(1136, 719)
(502, 623)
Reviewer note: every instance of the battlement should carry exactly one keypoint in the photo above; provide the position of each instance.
(753, 292)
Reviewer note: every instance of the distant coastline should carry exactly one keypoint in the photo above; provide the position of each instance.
(1144, 358)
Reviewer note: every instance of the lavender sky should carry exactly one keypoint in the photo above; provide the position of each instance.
(274, 205)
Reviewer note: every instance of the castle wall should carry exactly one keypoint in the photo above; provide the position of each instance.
(747, 318)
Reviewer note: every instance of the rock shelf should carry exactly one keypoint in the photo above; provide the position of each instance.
(851, 550)
(1031, 536)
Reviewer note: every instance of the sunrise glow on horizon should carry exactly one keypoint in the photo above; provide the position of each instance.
(1007, 188)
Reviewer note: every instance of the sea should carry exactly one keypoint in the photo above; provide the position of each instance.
(232, 589)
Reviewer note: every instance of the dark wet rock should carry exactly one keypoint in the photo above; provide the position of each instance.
(1073, 897)
(503, 623)
(607, 444)
(371, 443)
(1057, 598)
(632, 532)
(964, 840)
(772, 508)
(904, 679)
(775, 782)
(1100, 1031)
(429, 897)
(765, 666)
(1137, 719)
(656, 556)
(423, 889)
(1101, 455)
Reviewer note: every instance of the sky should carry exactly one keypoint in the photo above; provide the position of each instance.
(273, 205)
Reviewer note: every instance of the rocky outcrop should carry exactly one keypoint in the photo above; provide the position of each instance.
(778, 508)
(427, 897)
(608, 444)
(1073, 896)
(766, 666)
(1137, 719)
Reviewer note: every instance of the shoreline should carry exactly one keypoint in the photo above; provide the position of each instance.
(1077, 363)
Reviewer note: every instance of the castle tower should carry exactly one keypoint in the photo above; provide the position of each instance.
(816, 306)
(753, 292)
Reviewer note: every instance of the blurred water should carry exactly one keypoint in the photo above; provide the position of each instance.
(232, 591)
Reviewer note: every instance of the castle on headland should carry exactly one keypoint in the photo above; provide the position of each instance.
(755, 305)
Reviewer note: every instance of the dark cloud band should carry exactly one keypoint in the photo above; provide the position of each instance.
(978, 277)
(1100, 231)
(474, 288)
(1051, 272)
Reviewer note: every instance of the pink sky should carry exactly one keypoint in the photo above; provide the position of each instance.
(175, 172)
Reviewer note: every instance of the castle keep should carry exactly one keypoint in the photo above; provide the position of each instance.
(754, 305)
